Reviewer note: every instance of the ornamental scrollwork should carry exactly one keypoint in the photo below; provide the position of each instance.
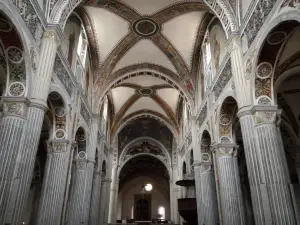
(18, 109)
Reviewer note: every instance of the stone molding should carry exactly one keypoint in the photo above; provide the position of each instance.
(58, 146)
(51, 35)
(17, 107)
(225, 149)
(263, 114)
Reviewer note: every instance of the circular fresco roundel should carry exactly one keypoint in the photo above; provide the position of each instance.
(145, 27)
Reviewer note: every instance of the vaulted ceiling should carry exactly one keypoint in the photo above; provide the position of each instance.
(147, 54)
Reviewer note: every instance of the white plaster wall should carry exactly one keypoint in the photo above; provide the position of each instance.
(160, 196)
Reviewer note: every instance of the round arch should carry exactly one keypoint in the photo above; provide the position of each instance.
(141, 139)
(140, 70)
(143, 114)
(289, 15)
(225, 116)
(168, 167)
(222, 9)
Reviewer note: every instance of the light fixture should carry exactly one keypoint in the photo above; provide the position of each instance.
(148, 187)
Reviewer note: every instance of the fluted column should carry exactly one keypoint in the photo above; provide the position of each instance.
(104, 201)
(79, 205)
(95, 199)
(22, 144)
(113, 193)
(55, 178)
(232, 207)
(206, 193)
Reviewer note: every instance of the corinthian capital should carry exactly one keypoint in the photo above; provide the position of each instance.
(51, 35)
(58, 146)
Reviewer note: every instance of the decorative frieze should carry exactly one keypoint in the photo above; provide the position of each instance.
(30, 17)
(223, 79)
(15, 107)
(189, 139)
(62, 74)
(203, 115)
(261, 12)
(85, 113)
(56, 146)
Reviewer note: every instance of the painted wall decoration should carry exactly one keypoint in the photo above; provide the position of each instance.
(260, 14)
(145, 127)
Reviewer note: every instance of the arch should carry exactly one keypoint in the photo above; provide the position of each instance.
(103, 169)
(205, 142)
(141, 114)
(16, 58)
(57, 107)
(140, 70)
(226, 114)
(266, 95)
(168, 167)
(141, 139)
(221, 9)
(26, 40)
(80, 138)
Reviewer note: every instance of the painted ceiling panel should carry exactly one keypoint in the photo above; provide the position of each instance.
(109, 29)
(120, 96)
(145, 103)
(145, 81)
(144, 8)
(145, 52)
(182, 31)
(170, 96)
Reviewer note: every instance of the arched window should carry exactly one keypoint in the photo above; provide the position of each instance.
(162, 212)
(184, 169)
(206, 54)
(82, 46)
(191, 158)
(104, 115)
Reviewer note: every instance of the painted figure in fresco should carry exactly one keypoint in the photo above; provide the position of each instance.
(216, 51)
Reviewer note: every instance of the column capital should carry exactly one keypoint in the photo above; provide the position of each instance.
(39, 104)
(58, 146)
(81, 164)
(226, 149)
(17, 107)
(51, 34)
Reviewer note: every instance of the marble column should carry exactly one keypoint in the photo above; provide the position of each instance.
(113, 194)
(269, 182)
(232, 207)
(81, 187)
(206, 193)
(177, 195)
(95, 199)
(54, 184)
(104, 200)
(22, 138)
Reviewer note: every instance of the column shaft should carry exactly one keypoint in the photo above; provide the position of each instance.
(279, 192)
(209, 198)
(81, 188)
(95, 200)
(112, 198)
(55, 178)
(104, 201)
(233, 212)
(23, 146)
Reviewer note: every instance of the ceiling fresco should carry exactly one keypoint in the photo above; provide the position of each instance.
(158, 42)
(145, 127)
